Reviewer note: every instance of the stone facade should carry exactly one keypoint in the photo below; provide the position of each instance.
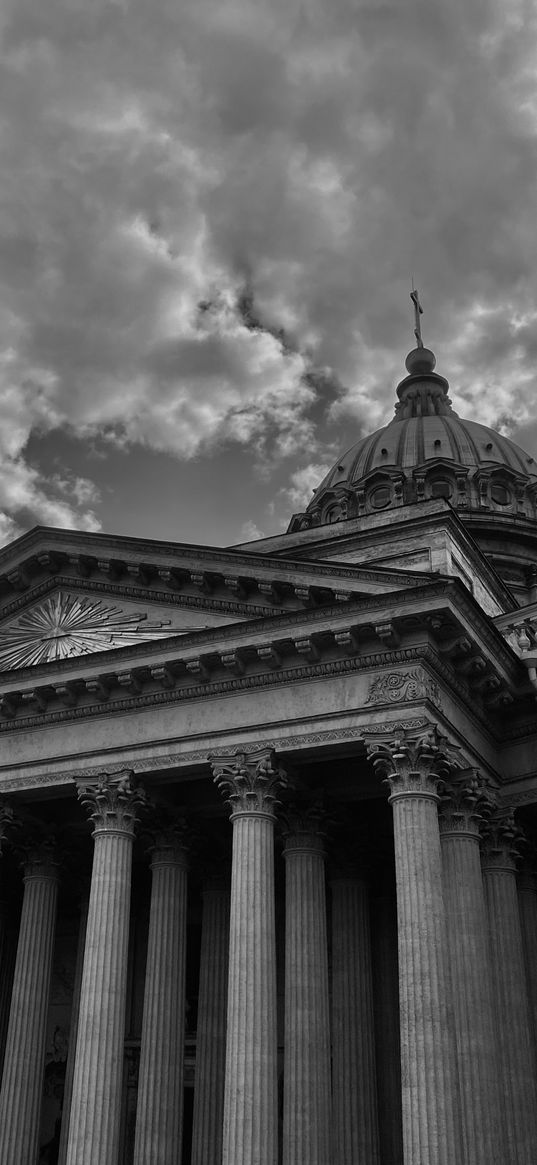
(267, 842)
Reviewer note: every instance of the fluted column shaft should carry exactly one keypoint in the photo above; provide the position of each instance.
(527, 897)
(3, 926)
(71, 1051)
(211, 1027)
(307, 1125)
(22, 1085)
(159, 1114)
(512, 1011)
(356, 1131)
(431, 1121)
(464, 895)
(250, 1095)
(96, 1101)
(387, 1029)
(7, 971)
(6, 953)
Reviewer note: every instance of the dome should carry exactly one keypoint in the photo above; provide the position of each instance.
(426, 451)
(416, 440)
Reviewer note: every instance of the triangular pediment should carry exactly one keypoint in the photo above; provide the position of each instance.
(66, 594)
(66, 624)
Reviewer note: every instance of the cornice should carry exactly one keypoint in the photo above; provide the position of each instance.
(162, 686)
(138, 594)
(214, 688)
(305, 619)
(146, 552)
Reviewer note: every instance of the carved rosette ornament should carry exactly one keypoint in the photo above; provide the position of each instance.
(412, 764)
(113, 802)
(252, 780)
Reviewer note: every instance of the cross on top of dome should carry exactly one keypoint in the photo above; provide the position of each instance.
(418, 311)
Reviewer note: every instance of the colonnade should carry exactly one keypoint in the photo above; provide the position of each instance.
(467, 1018)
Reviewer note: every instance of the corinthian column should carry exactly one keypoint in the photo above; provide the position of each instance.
(7, 820)
(113, 803)
(211, 1027)
(307, 1124)
(70, 1066)
(252, 782)
(431, 1131)
(356, 1131)
(22, 1086)
(159, 1114)
(527, 897)
(512, 1012)
(387, 1024)
(464, 896)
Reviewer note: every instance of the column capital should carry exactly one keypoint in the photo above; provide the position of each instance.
(303, 828)
(252, 781)
(38, 851)
(8, 821)
(462, 801)
(113, 802)
(168, 839)
(501, 840)
(412, 765)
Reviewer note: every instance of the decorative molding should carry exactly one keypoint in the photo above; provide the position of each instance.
(526, 798)
(394, 687)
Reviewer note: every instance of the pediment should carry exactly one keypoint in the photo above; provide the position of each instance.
(66, 624)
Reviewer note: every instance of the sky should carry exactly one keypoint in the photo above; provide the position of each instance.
(211, 212)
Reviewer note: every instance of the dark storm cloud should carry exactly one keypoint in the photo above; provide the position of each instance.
(160, 156)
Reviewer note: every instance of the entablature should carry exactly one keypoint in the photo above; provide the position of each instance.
(438, 625)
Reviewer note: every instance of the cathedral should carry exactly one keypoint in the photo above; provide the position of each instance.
(268, 823)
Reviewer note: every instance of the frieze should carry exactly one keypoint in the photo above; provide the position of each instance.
(277, 621)
(256, 681)
(216, 687)
(394, 687)
(527, 798)
(148, 764)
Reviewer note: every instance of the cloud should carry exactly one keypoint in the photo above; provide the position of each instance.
(303, 482)
(210, 214)
(249, 532)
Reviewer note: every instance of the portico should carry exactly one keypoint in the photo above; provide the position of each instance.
(262, 815)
